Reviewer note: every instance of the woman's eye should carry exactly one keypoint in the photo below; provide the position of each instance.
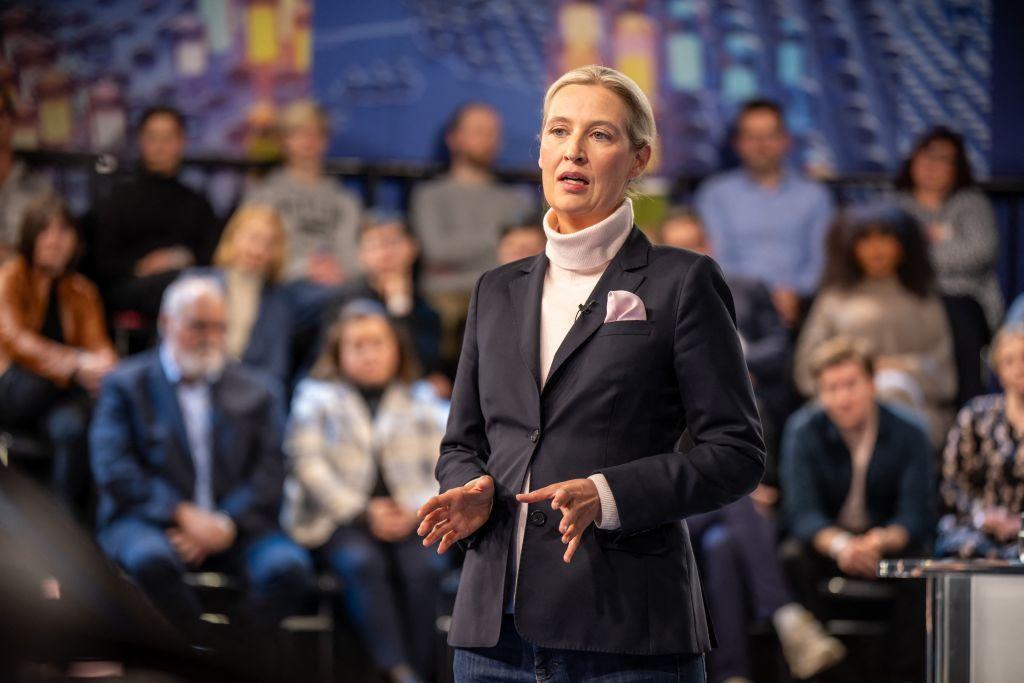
(601, 135)
(558, 132)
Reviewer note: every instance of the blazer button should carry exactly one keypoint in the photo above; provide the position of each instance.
(535, 435)
(538, 518)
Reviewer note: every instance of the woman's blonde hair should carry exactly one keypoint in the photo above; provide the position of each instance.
(1005, 334)
(225, 256)
(640, 125)
(305, 113)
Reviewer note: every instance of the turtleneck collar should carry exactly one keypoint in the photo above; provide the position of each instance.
(593, 246)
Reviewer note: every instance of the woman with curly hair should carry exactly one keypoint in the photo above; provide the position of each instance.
(878, 288)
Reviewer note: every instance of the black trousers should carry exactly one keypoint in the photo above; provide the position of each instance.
(34, 403)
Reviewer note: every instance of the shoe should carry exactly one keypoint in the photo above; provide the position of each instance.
(808, 649)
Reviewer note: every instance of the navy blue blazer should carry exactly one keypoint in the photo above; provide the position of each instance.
(140, 455)
(617, 399)
(816, 472)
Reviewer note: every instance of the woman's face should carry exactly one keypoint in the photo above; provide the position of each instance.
(878, 254)
(55, 247)
(369, 352)
(387, 249)
(934, 167)
(255, 246)
(586, 157)
(1010, 364)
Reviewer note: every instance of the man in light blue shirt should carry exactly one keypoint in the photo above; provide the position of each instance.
(766, 221)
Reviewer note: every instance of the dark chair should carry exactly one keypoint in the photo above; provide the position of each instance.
(221, 593)
(27, 452)
(971, 335)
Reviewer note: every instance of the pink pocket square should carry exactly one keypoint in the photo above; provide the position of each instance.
(623, 305)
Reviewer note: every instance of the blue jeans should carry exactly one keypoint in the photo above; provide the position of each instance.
(278, 573)
(513, 660)
(391, 593)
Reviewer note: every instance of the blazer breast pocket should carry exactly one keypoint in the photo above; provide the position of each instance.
(639, 327)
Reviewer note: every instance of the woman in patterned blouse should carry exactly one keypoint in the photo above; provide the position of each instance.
(983, 469)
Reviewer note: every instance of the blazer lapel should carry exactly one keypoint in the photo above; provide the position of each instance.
(166, 407)
(222, 433)
(525, 292)
(618, 275)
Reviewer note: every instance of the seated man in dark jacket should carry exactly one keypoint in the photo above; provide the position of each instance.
(186, 454)
(151, 225)
(858, 484)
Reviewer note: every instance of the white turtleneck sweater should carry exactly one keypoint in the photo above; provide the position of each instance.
(576, 262)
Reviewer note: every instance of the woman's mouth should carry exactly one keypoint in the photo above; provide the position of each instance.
(573, 182)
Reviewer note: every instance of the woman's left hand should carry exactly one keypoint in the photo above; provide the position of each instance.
(579, 503)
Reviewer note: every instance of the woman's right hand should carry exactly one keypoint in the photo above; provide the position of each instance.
(455, 514)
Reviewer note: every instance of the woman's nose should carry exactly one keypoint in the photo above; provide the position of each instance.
(574, 151)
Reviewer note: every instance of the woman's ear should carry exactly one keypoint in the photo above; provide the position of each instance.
(640, 161)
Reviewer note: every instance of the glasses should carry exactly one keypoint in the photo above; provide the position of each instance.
(206, 326)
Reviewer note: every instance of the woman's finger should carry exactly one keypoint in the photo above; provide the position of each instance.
(447, 541)
(561, 499)
(431, 520)
(540, 494)
(434, 502)
(438, 530)
(568, 534)
(569, 516)
(571, 550)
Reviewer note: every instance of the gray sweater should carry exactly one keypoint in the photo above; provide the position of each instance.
(319, 216)
(965, 262)
(458, 225)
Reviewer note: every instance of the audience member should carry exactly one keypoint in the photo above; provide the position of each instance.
(151, 226)
(858, 485)
(736, 550)
(250, 262)
(520, 240)
(877, 289)
(387, 253)
(54, 349)
(186, 454)
(982, 485)
(321, 217)
(458, 216)
(363, 448)
(18, 187)
(766, 221)
(938, 189)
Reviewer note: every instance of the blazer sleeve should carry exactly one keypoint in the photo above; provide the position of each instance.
(254, 504)
(464, 448)
(727, 460)
(117, 466)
